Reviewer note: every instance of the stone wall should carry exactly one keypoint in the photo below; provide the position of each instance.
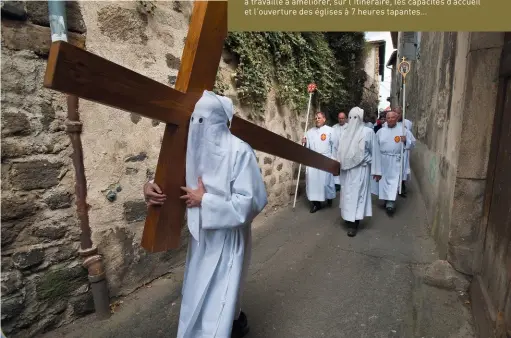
(43, 282)
(451, 95)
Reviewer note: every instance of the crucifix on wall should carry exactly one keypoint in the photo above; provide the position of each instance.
(74, 71)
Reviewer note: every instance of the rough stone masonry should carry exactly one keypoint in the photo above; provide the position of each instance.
(43, 282)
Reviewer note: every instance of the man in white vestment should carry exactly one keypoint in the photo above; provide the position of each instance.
(225, 192)
(355, 155)
(320, 184)
(387, 159)
(338, 129)
(406, 157)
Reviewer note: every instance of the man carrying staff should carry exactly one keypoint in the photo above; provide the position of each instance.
(225, 192)
(406, 155)
(387, 159)
(338, 129)
(320, 184)
(355, 155)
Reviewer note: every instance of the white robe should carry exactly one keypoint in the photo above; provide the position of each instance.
(387, 160)
(217, 264)
(338, 132)
(406, 154)
(355, 200)
(320, 184)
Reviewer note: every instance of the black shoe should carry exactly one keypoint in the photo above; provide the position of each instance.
(353, 228)
(329, 202)
(391, 211)
(315, 207)
(403, 190)
(240, 326)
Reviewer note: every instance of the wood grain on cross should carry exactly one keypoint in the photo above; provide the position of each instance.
(74, 71)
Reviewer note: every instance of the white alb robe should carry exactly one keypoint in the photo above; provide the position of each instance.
(217, 264)
(219, 246)
(338, 129)
(355, 203)
(407, 172)
(387, 160)
(320, 184)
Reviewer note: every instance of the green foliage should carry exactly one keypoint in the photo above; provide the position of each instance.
(289, 61)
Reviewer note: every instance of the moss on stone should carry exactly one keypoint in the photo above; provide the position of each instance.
(60, 283)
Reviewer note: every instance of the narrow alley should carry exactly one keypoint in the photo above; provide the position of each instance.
(308, 279)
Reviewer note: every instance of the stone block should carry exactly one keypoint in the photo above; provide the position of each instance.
(15, 124)
(38, 14)
(62, 253)
(35, 174)
(136, 158)
(83, 305)
(12, 281)
(59, 200)
(60, 283)
(12, 306)
(442, 275)
(461, 258)
(17, 206)
(122, 24)
(52, 230)
(479, 109)
(25, 36)
(173, 62)
(14, 10)
(27, 259)
(467, 210)
(485, 40)
(13, 148)
(135, 211)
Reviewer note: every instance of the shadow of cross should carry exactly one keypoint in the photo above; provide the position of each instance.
(74, 71)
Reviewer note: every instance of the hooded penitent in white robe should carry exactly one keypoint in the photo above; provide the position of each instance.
(338, 129)
(320, 184)
(355, 156)
(219, 247)
(387, 159)
(406, 154)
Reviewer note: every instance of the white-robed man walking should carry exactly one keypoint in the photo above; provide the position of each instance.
(387, 159)
(355, 155)
(320, 185)
(225, 192)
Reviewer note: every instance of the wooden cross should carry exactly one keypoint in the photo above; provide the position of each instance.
(74, 71)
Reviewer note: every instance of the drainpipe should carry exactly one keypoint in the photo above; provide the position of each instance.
(92, 261)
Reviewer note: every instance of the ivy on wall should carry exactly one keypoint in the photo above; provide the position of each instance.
(289, 61)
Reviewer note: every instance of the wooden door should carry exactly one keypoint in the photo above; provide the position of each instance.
(496, 267)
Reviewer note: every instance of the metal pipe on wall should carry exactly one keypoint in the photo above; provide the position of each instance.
(92, 261)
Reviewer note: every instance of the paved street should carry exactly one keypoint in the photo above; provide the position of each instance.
(308, 279)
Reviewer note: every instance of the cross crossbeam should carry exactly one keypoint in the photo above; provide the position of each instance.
(74, 71)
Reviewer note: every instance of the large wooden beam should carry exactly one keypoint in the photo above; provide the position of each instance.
(74, 71)
(265, 141)
(77, 72)
(203, 47)
(199, 66)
